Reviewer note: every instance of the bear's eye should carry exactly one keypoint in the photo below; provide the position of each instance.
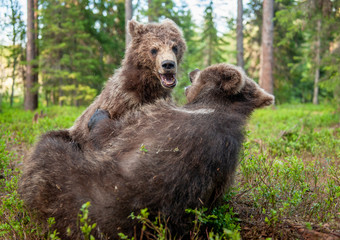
(154, 51)
(175, 49)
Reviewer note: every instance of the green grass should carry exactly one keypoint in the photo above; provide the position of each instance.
(296, 129)
(290, 170)
(289, 173)
(18, 134)
(19, 122)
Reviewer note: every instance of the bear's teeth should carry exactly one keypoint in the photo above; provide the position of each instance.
(168, 80)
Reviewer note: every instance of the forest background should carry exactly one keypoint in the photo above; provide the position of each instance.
(77, 45)
(288, 180)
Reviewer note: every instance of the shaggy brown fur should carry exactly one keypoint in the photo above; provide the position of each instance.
(147, 73)
(191, 157)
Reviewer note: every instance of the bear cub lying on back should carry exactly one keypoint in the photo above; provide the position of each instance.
(161, 157)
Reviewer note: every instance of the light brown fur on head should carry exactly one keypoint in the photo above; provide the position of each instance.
(147, 73)
(154, 46)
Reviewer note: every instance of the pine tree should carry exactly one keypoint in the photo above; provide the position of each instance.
(304, 50)
(82, 42)
(210, 40)
(191, 57)
(160, 9)
(110, 17)
(319, 12)
(317, 62)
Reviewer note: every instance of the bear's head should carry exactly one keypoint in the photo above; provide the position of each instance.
(157, 48)
(230, 84)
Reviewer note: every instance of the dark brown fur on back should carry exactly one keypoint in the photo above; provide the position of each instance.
(161, 157)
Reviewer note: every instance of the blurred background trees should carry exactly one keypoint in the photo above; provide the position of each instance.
(77, 45)
(13, 20)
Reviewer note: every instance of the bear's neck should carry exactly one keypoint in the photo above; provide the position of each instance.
(223, 103)
(143, 84)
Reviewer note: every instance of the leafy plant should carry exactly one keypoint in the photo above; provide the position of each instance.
(143, 149)
(85, 222)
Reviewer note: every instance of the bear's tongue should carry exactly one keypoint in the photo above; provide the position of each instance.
(168, 80)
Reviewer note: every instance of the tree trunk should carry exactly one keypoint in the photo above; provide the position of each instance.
(14, 63)
(61, 93)
(266, 58)
(128, 16)
(47, 97)
(36, 24)
(317, 63)
(13, 80)
(31, 94)
(239, 30)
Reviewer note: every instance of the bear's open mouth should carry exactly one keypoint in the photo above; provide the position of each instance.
(168, 80)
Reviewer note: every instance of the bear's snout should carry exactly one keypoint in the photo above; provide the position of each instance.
(168, 65)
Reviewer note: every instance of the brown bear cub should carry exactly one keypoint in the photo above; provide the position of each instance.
(161, 157)
(148, 73)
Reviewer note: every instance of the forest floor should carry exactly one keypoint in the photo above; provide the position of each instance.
(287, 184)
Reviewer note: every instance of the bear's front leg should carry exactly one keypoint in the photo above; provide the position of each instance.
(101, 129)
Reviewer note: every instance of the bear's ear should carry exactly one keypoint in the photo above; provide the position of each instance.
(263, 98)
(193, 74)
(228, 77)
(171, 24)
(168, 21)
(135, 28)
(233, 79)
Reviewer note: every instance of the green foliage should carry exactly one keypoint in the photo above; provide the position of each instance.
(294, 48)
(221, 221)
(290, 165)
(160, 9)
(299, 129)
(15, 222)
(21, 129)
(191, 59)
(331, 66)
(143, 149)
(289, 187)
(52, 235)
(81, 94)
(211, 43)
(66, 47)
(14, 28)
(84, 222)
(80, 45)
(157, 228)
